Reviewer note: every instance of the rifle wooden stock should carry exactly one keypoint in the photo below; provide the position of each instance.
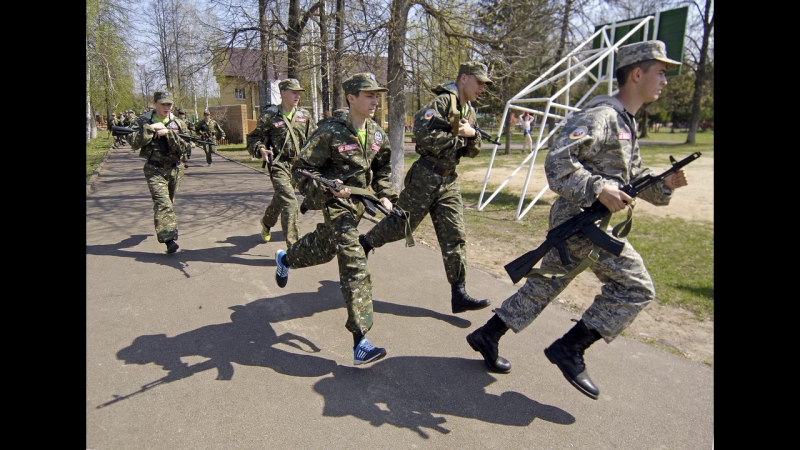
(584, 223)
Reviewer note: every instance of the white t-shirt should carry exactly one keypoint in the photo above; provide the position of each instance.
(526, 124)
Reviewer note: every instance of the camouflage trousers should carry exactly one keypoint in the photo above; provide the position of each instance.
(283, 203)
(427, 192)
(338, 236)
(627, 289)
(163, 185)
(209, 149)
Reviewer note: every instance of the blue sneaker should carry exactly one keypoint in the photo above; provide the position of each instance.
(282, 272)
(365, 352)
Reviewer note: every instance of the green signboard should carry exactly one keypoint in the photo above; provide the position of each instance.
(671, 30)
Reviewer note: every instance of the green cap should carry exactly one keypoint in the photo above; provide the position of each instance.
(644, 51)
(290, 84)
(474, 68)
(361, 82)
(163, 97)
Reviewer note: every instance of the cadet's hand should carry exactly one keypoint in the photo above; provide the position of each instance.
(265, 152)
(465, 129)
(343, 193)
(614, 199)
(676, 180)
(386, 204)
(159, 129)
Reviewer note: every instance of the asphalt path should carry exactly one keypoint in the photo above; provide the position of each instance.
(202, 350)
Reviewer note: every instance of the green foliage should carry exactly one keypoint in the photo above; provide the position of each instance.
(96, 150)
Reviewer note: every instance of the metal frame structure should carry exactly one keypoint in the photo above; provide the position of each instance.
(579, 64)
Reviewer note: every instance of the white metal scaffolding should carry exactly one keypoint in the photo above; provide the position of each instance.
(576, 65)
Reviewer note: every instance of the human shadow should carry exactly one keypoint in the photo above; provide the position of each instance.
(180, 260)
(248, 339)
(414, 392)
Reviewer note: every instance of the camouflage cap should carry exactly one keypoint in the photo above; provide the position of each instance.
(290, 84)
(163, 97)
(361, 82)
(205, 111)
(181, 111)
(474, 68)
(644, 51)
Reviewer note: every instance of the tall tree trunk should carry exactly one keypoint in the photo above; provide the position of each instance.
(88, 97)
(700, 75)
(264, 91)
(338, 48)
(293, 44)
(396, 77)
(562, 43)
(324, 49)
(643, 125)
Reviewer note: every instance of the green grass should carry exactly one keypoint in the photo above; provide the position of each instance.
(96, 150)
(679, 254)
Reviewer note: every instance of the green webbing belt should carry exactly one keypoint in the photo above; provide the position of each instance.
(620, 230)
(369, 195)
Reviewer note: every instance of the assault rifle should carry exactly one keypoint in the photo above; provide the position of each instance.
(371, 203)
(270, 158)
(124, 131)
(440, 123)
(584, 223)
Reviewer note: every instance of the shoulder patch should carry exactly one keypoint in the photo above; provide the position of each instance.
(579, 132)
(429, 113)
(378, 137)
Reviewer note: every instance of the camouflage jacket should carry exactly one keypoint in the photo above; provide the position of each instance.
(334, 151)
(170, 148)
(598, 145)
(209, 128)
(442, 147)
(286, 138)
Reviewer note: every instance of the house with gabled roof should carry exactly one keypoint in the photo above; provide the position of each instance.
(239, 76)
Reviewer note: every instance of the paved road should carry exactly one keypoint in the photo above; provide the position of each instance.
(201, 350)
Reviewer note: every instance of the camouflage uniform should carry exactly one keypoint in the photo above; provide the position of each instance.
(210, 130)
(432, 186)
(334, 151)
(286, 136)
(163, 169)
(597, 146)
(594, 153)
(189, 131)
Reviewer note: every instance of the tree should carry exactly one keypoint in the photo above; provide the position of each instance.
(516, 33)
(703, 71)
(108, 75)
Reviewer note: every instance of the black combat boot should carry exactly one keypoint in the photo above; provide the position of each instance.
(567, 353)
(486, 339)
(461, 301)
(363, 241)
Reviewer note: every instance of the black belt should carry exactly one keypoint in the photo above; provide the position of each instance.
(430, 165)
(163, 165)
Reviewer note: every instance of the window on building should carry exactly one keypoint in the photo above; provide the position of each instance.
(238, 94)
